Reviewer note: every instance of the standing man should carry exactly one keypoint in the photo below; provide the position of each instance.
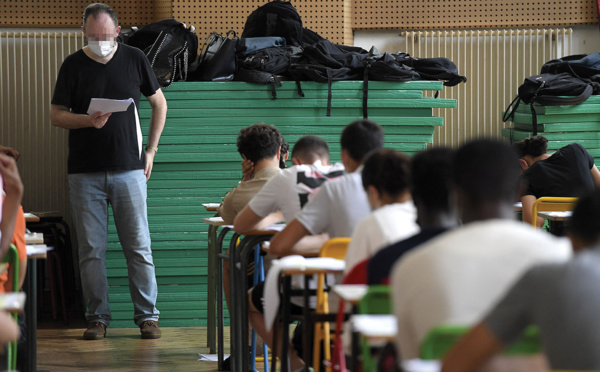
(108, 165)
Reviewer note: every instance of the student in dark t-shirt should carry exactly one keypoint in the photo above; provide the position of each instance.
(431, 171)
(570, 171)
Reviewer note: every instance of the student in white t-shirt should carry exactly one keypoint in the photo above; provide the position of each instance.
(335, 209)
(386, 180)
(290, 189)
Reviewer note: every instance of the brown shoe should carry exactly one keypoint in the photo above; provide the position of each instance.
(149, 329)
(95, 331)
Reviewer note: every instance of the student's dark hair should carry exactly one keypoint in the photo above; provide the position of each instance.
(285, 147)
(388, 171)
(585, 222)
(484, 169)
(310, 148)
(431, 172)
(96, 9)
(259, 141)
(361, 137)
(534, 146)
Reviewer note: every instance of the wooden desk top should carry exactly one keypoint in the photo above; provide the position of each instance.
(556, 216)
(211, 207)
(215, 221)
(351, 293)
(375, 327)
(30, 217)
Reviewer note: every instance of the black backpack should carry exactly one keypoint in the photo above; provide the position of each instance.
(579, 65)
(275, 18)
(170, 47)
(551, 90)
(438, 68)
(326, 62)
(267, 66)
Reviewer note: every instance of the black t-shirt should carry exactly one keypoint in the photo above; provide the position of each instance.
(564, 173)
(116, 146)
(381, 264)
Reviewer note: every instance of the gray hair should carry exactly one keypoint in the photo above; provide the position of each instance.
(96, 9)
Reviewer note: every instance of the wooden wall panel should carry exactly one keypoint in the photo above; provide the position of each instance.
(452, 14)
(69, 13)
(329, 18)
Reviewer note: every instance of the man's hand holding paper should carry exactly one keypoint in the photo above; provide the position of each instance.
(100, 109)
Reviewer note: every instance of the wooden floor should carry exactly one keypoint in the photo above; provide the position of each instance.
(123, 350)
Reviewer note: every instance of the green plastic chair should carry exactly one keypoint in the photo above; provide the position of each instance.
(12, 258)
(441, 339)
(377, 301)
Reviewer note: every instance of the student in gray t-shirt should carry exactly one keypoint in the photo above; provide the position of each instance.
(561, 299)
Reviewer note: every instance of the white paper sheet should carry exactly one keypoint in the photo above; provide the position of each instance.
(105, 105)
(211, 357)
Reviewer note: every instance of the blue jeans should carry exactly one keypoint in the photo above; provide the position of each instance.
(125, 191)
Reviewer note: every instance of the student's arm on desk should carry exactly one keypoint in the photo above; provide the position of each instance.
(283, 241)
(472, 351)
(595, 175)
(527, 201)
(61, 116)
(9, 329)
(247, 220)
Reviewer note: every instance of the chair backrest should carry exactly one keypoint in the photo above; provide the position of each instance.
(358, 274)
(441, 339)
(552, 204)
(376, 301)
(335, 247)
(12, 258)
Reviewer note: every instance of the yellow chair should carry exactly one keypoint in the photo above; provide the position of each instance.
(12, 258)
(335, 248)
(552, 204)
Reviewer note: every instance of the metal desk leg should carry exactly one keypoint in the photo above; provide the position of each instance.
(285, 320)
(220, 315)
(308, 325)
(233, 313)
(31, 315)
(212, 263)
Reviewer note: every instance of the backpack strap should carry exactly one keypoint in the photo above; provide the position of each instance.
(366, 91)
(299, 88)
(329, 81)
(533, 119)
(510, 110)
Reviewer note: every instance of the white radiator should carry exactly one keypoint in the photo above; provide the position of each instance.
(29, 63)
(495, 63)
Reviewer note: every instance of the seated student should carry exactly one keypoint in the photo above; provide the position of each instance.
(18, 240)
(10, 182)
(455, 277)
(561, 299)
(339, 205)
(430, 189)
(567, 172)
(386, 179)
(260, 144)
(291, 188)
(335, 209)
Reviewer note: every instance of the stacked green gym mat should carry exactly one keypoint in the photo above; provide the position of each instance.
(562, 125)
(197, 162)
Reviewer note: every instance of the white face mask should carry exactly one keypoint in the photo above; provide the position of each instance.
(101, 48)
